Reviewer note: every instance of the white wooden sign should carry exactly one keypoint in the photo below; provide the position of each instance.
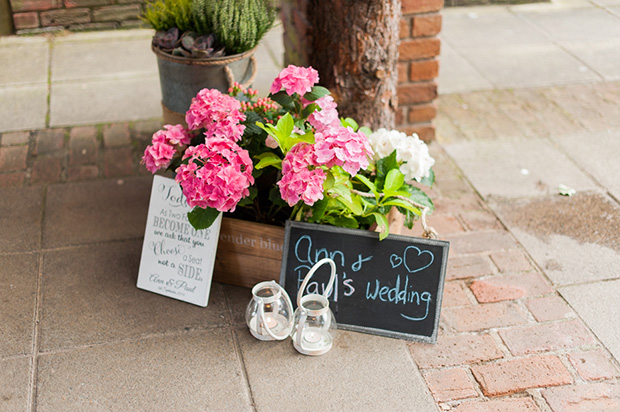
(177, 260)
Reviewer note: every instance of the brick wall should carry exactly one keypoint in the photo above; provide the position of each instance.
(418, 64)
(35, 16)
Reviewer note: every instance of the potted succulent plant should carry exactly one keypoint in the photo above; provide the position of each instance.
(205, 44)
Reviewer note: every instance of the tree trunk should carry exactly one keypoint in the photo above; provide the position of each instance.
(355, 50)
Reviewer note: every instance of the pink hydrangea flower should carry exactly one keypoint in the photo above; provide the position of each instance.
(218, 174)
(219, 114)
(327, 116)
(177, 134)
(295, 80)
(301, 180)
(341, 146)
(158, 155)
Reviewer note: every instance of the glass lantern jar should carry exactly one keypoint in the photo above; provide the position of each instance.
(269, 314)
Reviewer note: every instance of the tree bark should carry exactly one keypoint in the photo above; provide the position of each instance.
(355, 50)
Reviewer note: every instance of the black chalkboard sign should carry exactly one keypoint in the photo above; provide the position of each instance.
(391, 287)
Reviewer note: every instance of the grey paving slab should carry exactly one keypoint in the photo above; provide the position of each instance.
(191, 372)
(529, 66)
(517, 168)
(602, 56)
(457, 75)
(598, 154)
(20, 219)
(237, 299)
(89, 295)
(575, 24)
(597, 304)
(14, 384)
(95, 211)
(18, 291)
(13, 71)
(470, 28)
(361, 372)
(573, 239)
(105, 101)
(89, 59)
(23, 107)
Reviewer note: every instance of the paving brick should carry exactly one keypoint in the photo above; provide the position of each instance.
(517, 375)
(480, 220)
(508, 287)
(592, 397)
(594, 365)
(478, 242)
(470, 123)
(499, 405)
(454, 294)
(13, 158)
(47, 169)
(144, 130)
(49, 140)
(548, 308)
(116, 134)
(485, 316)
(555, 120)
(456, 205)
(83, 147)
(511, 261)
(463, 267)
(87, 172)
(443, 224)
(450, 384)
(494, 119)
(65, 16)
(15, 138)
(118, 162)
(546, 337)
(455, 350)
(12, 179)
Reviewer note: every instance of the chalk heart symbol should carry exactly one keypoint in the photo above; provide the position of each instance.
(396, 261)
(413, 259)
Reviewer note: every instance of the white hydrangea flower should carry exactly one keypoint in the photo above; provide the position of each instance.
(410, 150)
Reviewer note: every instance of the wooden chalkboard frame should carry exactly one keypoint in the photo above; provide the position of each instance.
(311, 227)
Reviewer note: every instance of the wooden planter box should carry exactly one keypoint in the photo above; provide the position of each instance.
(248, 253)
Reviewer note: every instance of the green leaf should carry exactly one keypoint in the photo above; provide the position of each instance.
(284, 100)
(316, 93)
(403, 204)
(318, 209)
(275, 198)
(382, 224)
(429, 180)
(285, 125)
(249, 199)
(366, 130)
(309, 109)
(329, 181)
(343, 221)
(353, 204)
(349, 122)
(418, 196)
(268, 159)
(384, 165)
(201, 218)
(367, 182)
(394, 180)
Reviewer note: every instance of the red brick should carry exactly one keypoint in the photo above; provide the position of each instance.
(463, 267)
(29, 20)
(49, 140)
(400, 114)
(450, 384)
(15, 138)
(85, 3)
(594, 365)
(83, 172)
(480, 220)
(577, 398)
(65, 17)
(426, 25)
(455, 350)
(422, 112)
(12, 179)
(423, 70)
(443, 224)
(13, 158)
(548, 308)
(485, 316)
(116, 13)
(425, 131)
(83, 147)
(508, 287)
(423, 48)
(545, 337)
(517, 375)
(421, 6)
(403, 72)
(511, 261)
(478, 242)
(118, 162)
(115, 135)
(47, 169)
(417, 93)
(499, 405)
(454, 294)
(403, 29)
(32, 5)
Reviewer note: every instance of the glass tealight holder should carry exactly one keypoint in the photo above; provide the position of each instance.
(314, 323)
(269, 314)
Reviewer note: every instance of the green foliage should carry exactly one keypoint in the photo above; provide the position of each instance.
(238, 24)
(202, 218)
(166, 14)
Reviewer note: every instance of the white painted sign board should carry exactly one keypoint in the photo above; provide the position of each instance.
(177, 260)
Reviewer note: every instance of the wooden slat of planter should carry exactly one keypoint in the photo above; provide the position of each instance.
(248, 253)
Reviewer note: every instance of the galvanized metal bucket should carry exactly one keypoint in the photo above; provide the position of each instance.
(181, 78)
